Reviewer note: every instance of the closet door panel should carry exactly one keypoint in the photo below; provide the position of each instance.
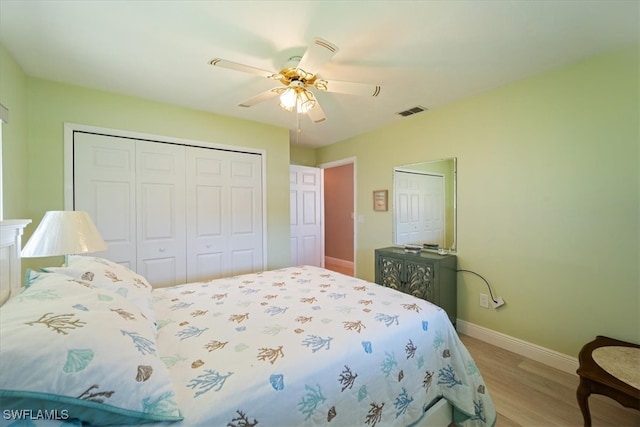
(224, 193)
(243, 261)
(242, 211)
(210, 266)
(208, 210)
(206, 217)
(161, 271)
(104, 186)
(245, 204)
(160, 175)
(113, 213)
(244, 254)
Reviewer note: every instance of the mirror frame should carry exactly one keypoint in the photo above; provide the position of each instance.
(451, 193)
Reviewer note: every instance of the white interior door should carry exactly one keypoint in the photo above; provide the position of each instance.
(160, 184)
(306, 216)
(104, 186)
(419, 199)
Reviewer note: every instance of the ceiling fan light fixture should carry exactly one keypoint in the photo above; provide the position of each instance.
(298, 97)
(306, 101)
(288, 98)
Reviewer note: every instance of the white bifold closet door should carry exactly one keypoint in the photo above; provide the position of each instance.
(173, 213)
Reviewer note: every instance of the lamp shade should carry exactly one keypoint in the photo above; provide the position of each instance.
(64, 233)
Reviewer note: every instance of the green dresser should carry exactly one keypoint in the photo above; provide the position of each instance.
(425, 275)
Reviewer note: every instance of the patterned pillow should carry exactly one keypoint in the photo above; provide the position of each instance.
(68, 346)
(106, 274)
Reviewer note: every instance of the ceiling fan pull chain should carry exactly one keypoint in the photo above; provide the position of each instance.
(297, 126)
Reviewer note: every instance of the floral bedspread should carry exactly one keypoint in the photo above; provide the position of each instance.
(304, 346)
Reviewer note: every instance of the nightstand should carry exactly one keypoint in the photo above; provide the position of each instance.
(425, 275)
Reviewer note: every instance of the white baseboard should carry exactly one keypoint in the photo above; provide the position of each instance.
(337, 261)
(532, 351)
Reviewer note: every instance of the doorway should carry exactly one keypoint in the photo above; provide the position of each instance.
(339, 215)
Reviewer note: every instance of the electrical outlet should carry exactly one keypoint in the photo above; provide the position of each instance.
(484, 300)
(499, 302)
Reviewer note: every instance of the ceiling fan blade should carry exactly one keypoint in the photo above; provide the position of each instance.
(351, 88)
(316, 114)
(223, 63)
(318, 54)
(261, 97)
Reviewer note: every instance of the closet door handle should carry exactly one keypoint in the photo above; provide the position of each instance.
(162, 249)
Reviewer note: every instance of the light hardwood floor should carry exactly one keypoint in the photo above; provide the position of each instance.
(329, 265)
(529, 394)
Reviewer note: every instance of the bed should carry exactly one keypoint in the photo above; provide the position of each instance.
(92, 343)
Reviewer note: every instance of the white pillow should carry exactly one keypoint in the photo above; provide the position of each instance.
(106, 274)
(67, 345)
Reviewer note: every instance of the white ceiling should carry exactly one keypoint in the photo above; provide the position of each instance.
(427, 53)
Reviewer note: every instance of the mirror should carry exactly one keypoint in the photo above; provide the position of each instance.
(424, 204)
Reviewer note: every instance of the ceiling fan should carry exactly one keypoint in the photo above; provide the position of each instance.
(297, 77)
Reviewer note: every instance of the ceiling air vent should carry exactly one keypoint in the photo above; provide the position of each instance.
(410, 111)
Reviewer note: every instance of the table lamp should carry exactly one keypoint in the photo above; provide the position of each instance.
(64, 233)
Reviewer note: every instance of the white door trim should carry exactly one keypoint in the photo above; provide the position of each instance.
(333, 164)
(70, 128)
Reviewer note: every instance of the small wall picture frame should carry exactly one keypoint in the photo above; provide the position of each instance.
(380, 200)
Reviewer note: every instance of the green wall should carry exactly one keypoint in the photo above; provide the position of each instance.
(548, 199)
(302, 156)
(13, 95)
(48, 105)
